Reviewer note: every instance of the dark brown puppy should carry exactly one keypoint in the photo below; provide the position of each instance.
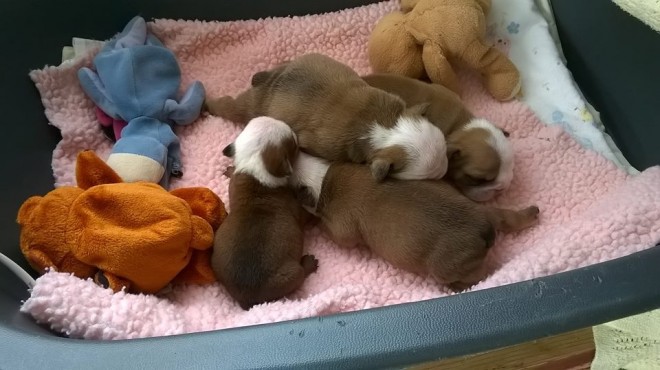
(424, 226)
(480, 156)
(258, 250)
(338, 116)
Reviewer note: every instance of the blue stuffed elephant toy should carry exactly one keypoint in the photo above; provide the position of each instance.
(137, 79)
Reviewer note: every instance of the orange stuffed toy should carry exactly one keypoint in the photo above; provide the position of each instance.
(426, 37)
(136, 236)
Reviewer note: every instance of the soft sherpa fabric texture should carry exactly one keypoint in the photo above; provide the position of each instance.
(591, 211)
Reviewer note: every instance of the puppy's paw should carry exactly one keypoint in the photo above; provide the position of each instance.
(530, 216)
(101, 280)
(532, 212)
(309, 263)
(229, 171)
(460, 286)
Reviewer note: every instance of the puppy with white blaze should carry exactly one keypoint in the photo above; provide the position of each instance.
(424, 226)
(339, 117)
(480, 155)
(258, 249)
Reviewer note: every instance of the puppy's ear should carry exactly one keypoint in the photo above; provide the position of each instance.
(278, 166)
(277, 158)
(380, 168)
(358, 151)
(387, 161)
(229, 150)
(453, 152)
(260, 78)
(419, 109)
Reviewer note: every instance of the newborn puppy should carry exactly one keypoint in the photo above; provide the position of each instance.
(480, 156)
(339, 117)
(423, 226)
(258, 250)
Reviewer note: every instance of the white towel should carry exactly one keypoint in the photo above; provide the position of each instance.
(647, 11)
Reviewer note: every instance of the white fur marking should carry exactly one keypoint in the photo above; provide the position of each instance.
(423, 142)
(502, 146)
(257, 134)
(309, 171)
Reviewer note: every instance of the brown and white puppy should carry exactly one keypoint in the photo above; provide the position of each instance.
(258, 250)
(480, 156)
(423, 226)
(339, 117)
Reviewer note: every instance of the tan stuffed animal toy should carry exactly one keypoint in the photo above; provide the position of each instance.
(136, 236)
(426, 37)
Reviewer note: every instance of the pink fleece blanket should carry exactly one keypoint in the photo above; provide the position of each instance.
(590, 210)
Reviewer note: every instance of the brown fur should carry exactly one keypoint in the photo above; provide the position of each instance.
(326, 103)
(426, 227)
(258, 250)
(277, 158)
(472, 161)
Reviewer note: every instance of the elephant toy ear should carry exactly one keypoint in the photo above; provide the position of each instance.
(92, 170)
(188, 109)
(134, 34)
(154, 41)
(95, 89)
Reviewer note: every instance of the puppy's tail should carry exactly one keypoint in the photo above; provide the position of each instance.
(509, 221)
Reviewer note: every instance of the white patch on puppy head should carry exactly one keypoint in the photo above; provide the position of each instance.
(259, 133)
(309, 172)
(423, 142)
(502, 146)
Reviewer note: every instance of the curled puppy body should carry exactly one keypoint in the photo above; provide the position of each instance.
(480, 156)
(423, 226)
(339, 117)
(258, 249)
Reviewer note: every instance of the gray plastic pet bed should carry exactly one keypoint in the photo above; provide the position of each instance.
(614, 59)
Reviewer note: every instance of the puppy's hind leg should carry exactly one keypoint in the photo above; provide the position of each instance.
(238, 110)
(509, 221)
(309, 264)
(289, 277)
(459, 266)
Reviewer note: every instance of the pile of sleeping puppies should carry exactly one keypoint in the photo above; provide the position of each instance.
(388, 162)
